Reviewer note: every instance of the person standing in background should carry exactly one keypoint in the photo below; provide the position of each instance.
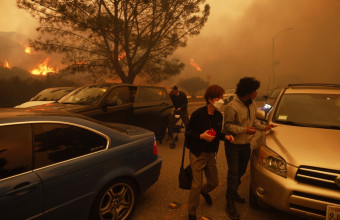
(239, 121)
(180, 102)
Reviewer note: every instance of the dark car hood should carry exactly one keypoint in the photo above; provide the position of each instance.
(131, 130)
(65, 107)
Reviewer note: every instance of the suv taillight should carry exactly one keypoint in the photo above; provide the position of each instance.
(155, 152)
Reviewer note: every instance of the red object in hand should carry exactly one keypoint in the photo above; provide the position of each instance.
(212, 132)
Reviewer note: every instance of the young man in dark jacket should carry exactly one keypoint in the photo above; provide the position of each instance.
(204, 134)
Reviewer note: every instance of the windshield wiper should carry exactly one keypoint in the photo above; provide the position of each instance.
(67, 103)
(337, 127)
(291, 123)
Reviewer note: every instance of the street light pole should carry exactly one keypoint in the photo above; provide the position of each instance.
(273, 53)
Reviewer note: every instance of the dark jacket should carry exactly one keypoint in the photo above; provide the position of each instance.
(199, 122)
(180, 100)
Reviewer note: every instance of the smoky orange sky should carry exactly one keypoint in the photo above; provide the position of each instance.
(237, 41)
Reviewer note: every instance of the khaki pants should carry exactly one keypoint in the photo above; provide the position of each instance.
(205, 162)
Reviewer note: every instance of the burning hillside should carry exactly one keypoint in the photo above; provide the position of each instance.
(14, 51)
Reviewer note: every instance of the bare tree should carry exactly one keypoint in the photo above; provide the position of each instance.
(123, 37)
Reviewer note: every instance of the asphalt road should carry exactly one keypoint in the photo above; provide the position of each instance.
(154, 203)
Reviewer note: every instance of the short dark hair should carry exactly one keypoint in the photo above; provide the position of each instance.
(213, 91)
(174, 88)
(246, 86)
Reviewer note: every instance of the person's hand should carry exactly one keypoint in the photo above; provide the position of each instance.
(230, 138)
(270, 126)
(251, 130)
(207, 137)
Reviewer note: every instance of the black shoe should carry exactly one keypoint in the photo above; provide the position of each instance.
(239, 199)
(207, 198)
(192, 217)
(231, 210)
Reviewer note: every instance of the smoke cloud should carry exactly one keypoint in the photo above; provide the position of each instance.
(237, 41)
(240, 44)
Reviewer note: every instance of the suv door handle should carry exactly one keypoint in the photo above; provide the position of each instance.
(22, 187)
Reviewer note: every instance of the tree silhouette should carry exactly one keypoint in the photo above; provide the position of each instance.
(123, 37)
(193, 85)
(16, 90)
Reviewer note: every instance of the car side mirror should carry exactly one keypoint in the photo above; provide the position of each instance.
(260, 115)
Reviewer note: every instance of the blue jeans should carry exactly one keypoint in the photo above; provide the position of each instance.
(237, 158)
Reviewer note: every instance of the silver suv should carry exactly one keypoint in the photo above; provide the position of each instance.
(297, 169)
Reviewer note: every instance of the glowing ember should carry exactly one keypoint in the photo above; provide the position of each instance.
(43, 68)
(195, 65)
(121, 56)
(6, 65)
(80, 63)
(28, 50)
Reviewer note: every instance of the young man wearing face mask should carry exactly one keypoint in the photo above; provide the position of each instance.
(239, 121)
(204, 134)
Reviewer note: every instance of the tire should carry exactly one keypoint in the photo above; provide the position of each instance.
(116, 201)
(172, 145)
(162, 130)
(253, 199)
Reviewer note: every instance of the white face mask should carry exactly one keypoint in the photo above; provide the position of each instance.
(219, 104)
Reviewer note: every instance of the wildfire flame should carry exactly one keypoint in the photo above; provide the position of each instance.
(121, 56)
(195, 65)
(81, 63)
(28, 50)
(43, 68)
(6, 65)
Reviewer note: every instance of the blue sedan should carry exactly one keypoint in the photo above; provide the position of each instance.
(58, 165)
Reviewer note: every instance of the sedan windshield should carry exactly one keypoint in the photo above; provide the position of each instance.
(85, 95)
(51, 94)
(311, 110)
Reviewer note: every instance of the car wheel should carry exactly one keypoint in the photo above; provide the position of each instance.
(165, 125)
(253, 199)
(116, 201)
(172, 145)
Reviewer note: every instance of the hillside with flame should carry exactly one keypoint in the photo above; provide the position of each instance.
(15, 52)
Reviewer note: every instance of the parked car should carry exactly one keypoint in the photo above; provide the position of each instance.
(145, 106)
(270, 101)
(58, 165)
(228, 95)
(46, 96)
(297, 169)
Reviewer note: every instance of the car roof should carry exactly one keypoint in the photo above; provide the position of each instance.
(315, 88)
(61, 87)
(120, 84)
(7, 113)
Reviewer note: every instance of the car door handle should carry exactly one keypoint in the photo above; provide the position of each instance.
(22, 187)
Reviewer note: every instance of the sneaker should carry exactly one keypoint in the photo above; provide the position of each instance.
(231, 210)
(239, 199)
(207, 198)
(192, 217)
